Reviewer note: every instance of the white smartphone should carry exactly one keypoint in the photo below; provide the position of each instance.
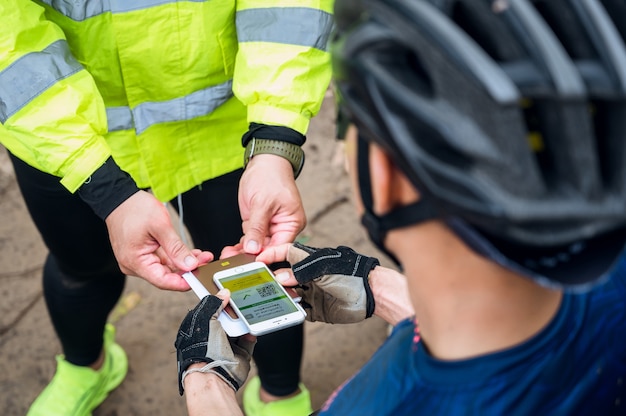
(233, 326)
(201, 281)
(258, 299)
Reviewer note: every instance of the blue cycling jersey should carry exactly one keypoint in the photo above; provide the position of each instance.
(574, 366)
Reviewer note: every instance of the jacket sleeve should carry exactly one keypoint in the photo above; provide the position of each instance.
(51, 113)
(283, 67)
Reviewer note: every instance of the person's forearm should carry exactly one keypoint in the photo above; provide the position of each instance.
(207, 394)
(391, 295)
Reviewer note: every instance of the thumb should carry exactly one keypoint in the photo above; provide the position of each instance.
(223, 294)
(173, 247)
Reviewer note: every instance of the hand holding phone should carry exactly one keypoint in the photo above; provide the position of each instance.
(201, 282)
(258, 299)
(333, 282)
(200, 339)
(233, 326)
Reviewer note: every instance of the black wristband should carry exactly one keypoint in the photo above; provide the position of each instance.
(107, 188)
(280, 133)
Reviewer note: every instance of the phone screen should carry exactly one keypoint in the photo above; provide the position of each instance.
(258, 296)
(205, 274)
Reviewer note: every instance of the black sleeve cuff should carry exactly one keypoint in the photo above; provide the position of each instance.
(263, 131)
(107, 188)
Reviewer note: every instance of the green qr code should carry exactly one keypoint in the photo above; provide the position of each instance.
(266, 290)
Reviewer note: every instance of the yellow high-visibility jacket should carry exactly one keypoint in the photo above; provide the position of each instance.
(167, 87)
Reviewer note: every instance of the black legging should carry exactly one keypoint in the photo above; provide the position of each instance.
(82, 281)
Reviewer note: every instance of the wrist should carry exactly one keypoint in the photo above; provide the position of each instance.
(389, 288)
(197, 365)
(266, 131)
(107, 188)
(199, 378)
(206, 392)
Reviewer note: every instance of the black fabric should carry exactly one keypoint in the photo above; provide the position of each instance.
(67, 300)
(278, 356)
(342, 122)
(616, 9)
(336, 261)
(263, 131)
(211, 213)
(107, 188)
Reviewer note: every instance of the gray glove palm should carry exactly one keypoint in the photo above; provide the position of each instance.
(201, 338)
(333, 283)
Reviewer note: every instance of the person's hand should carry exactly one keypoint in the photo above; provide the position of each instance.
(333, 282)
(146, 245)
(201, 338)
(270, 204)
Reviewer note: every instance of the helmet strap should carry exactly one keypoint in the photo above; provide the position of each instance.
(378, 226)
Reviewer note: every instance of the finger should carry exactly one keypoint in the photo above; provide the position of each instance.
(230, 251)
(175, 249)
(163, 278)
(224, 294)
(247, 342)
(203, 257)
(149, 267)
(266, 241)
(286, 278)
(274, 254)
(282, 237)
(293, 294)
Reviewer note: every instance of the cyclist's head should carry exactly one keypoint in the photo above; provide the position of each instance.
(508, 116)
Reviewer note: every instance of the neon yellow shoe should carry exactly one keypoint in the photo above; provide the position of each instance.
(299, 405)
(76, 390)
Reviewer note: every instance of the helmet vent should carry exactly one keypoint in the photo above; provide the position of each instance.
(486, 28)
(403, 65)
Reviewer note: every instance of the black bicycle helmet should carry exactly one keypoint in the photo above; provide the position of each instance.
(509, 116)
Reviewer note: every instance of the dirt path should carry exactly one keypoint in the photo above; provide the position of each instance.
(147, 318)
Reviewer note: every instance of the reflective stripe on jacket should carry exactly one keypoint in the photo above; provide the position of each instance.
(176, 82)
